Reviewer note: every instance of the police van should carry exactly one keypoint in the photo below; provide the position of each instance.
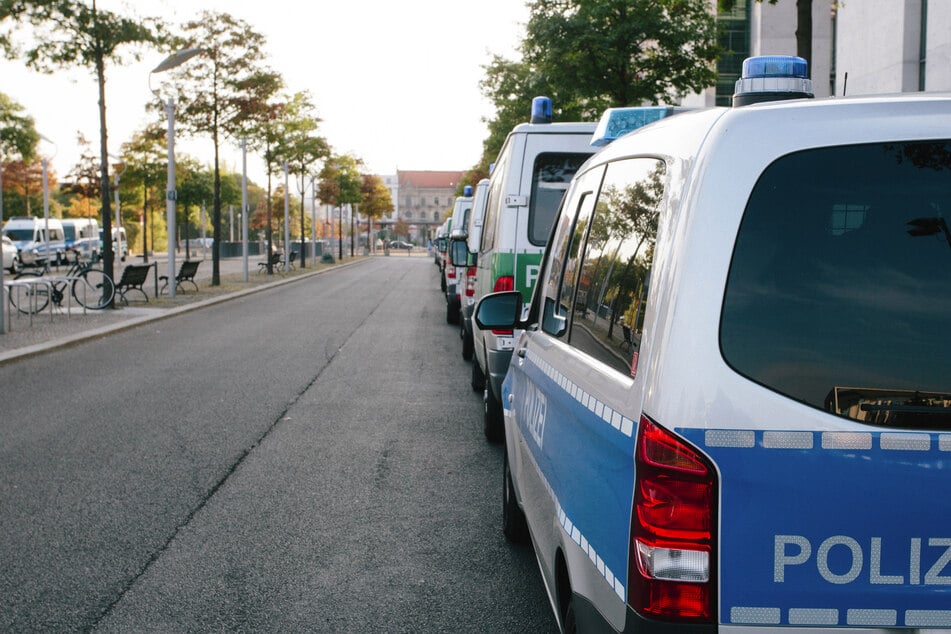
(530, 177)
(457, 224)
(467, 259)
(82, 235)
(730, 406)
(32, 236)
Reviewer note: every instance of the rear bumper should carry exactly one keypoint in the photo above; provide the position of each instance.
(590, 620)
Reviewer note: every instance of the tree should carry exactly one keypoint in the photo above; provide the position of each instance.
(70, 33)
(340, 184)
(144, 157)
(590, 55)
(18, 135)
(23, 182)
(301, 148)
(375, 200)
(212, 88)
(261, 106)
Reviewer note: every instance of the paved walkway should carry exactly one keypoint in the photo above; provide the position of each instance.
(23, 339)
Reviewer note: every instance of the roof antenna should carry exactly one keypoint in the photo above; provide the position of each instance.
(845, 84)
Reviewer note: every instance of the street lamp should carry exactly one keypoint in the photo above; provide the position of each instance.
(118, 174)
(175, 59)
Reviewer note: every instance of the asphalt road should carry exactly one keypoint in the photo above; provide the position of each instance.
(307, 458)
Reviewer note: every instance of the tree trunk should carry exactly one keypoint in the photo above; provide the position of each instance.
(804, 31)
(107, 252)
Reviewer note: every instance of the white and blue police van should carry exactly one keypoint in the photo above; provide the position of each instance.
(729, 409)
(461, 209)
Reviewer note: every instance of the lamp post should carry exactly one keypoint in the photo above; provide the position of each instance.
(118, 228)
(175, 59)
(244, 206)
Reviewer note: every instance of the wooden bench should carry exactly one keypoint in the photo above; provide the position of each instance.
(133, 278)
(186, 273)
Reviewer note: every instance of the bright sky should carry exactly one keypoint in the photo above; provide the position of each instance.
(395, 83)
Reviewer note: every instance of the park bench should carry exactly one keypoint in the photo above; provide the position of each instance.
(133, 278)
(290, 261)
(276, 260)
(185, 274)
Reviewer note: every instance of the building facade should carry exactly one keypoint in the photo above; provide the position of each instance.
(865, 47)
(420, 199)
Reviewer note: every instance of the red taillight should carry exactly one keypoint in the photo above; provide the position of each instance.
(671, 564)
(504, 283)
(451, 272)
(470, 281)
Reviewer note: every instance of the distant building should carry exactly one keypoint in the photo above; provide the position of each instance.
(420, 198)
(865, 47)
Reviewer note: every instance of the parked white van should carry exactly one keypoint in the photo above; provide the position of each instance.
(453, 274)
(120, 252)
(82, 234)
(29, 234)
(530, 177)
(729, 409)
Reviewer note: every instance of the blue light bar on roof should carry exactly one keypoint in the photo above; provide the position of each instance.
(616, 122)
(467, 191)
(541, 110)
(772, 78)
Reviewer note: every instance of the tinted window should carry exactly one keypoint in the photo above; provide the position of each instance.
(550, 178)
(492, 205)
(608, 307)
(839, 293)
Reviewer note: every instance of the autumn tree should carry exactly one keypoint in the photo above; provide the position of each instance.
(262, 107)
(301, 147)
(68, 33)
(376, 200)
(18, 136)
(340, 184)
(212, 91)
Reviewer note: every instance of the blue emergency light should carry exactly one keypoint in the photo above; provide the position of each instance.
(467, 191)
(773, 78)
(541, 110)
(619, 121)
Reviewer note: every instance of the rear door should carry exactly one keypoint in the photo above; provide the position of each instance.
(834, 509)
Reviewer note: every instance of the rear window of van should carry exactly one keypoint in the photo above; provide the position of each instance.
(839, 291)
(550, 177)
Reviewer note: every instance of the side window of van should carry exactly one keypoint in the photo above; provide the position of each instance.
(551, 175)
(608, 309)
(562, 277)
(492, 209)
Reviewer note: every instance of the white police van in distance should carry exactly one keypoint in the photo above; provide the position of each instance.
(730, 408)
(528, 181)
(452, 273)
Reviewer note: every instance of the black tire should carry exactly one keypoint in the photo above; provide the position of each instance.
(467, 347)
(478, 377)
(94, 289)
(31, 299)
(451, 315)
(569, 621)
(514, 526)
(492, 421)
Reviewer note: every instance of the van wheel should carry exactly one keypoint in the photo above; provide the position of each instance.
(467, 348)
(452, 316)
(492, 417)
(569, 621)
(478, 378)
(513, 519)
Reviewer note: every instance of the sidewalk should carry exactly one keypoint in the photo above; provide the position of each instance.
(64, 329)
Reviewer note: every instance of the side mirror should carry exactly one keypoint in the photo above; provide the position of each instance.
(499, 311)
(459, 253)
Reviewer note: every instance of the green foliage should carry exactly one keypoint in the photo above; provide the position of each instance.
(67, 33)
(590, 55)
(18, 135)
(340, 181)
(376, 200)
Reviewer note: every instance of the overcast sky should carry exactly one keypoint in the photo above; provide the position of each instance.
(395, 83)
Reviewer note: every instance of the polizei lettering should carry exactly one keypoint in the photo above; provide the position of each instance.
(928, 559)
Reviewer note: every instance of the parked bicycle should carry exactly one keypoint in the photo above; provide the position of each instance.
(87, 282)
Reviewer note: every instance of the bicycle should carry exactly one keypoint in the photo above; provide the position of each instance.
(89, 286)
